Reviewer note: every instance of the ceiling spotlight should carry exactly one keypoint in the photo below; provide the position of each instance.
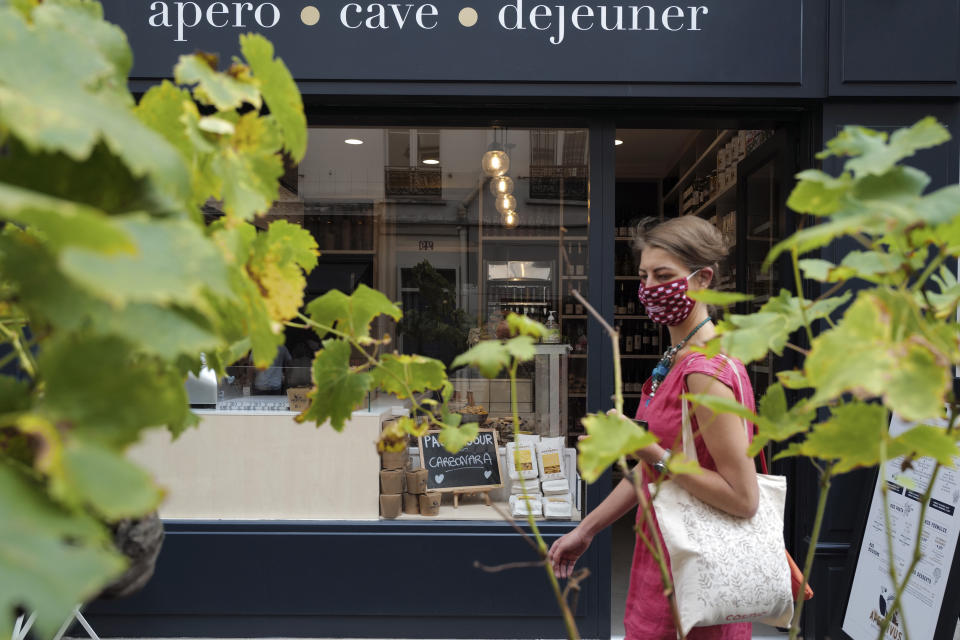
(431, 161)
(353, 141)
(618, 142)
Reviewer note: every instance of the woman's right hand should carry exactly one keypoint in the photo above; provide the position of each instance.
(565, 552)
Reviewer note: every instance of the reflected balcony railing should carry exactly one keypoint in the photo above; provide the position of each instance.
(414, 182)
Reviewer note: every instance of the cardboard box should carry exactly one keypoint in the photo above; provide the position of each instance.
(297, 397)
(391, 481)
(394, 459)
(390, 506)
(417, 481)
(430, 504)
(411, 503)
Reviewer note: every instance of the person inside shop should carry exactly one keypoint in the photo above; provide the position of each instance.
(673, 256)
(270, 381)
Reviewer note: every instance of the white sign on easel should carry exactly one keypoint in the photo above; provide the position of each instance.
(872, 590)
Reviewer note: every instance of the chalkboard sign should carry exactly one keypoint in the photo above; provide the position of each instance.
(475, 467)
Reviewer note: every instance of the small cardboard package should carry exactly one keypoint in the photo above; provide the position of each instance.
(430, 504)
(411, 503)
(297, 398)
(391, 481)
(417, 481)
(390, 505)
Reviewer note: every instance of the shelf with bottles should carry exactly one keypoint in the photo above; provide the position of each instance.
(700, 158)
(625, 302)
(573, 257)
(639, 339)
(570, 306)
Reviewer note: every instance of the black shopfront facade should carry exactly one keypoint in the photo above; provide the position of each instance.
(800, 69)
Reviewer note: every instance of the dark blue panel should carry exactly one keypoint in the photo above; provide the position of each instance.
(336, 579)
(708, 42)
(891, 47)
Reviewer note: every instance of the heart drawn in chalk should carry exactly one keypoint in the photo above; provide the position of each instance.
(438, 478)
(487, 474)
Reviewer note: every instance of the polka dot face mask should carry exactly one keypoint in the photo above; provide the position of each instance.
(667, 303)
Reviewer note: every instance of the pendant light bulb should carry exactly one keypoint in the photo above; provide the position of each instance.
(502, 185)
(510, 219)
(505, 203)
(495, 163)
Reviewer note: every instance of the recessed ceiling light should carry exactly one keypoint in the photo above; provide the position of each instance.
(431, 161)
(353, 141)
(618, 142)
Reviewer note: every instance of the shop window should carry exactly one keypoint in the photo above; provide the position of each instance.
(411, 212)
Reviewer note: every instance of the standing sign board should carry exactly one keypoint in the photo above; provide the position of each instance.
(476, 467)
(930, 603)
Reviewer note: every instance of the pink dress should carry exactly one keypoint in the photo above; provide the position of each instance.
(648, 611)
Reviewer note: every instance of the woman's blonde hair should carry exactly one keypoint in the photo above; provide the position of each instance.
(693, 240)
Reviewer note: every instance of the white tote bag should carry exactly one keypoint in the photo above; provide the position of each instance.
(726, 569)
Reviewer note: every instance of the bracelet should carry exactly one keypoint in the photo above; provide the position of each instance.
(660, 466)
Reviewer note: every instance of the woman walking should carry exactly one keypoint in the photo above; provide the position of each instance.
(674, 256)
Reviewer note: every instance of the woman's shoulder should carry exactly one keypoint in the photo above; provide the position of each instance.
(720, 366)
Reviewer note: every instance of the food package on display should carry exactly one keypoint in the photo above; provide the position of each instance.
(417, 481)
(391, 505)
(522, 457)
(519, 506)
(550, 458)
(532, 485)
(556, 487)
(394, 459)
(411, 503)
(429, 504)
(558, 507)
(391, 481)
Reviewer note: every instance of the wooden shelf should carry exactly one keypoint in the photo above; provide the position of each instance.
(574, 238)
(629, 317)
(576, 395)
(721, 139)
(573, 277)
(523, 238)
(578, 355)
(706, 206)
(573, 317)
(626, 277)
(624, 238)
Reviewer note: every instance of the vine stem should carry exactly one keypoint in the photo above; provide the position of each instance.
(656, 548)
(936, 262)
(794, 258)
(568, 621)
(17, 340)
(825, 478)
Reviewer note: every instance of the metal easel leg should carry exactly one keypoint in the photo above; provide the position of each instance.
(21, 628)
(83, 622)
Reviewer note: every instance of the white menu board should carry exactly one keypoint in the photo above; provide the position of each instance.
(872, 591)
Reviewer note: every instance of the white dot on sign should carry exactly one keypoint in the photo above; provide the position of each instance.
(468, 16)
(310, 15)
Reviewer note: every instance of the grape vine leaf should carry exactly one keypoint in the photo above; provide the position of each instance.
(279, 258)
(609, 438)
(401, 374)
(455, 438)
(338, 387)
(115, 487)
(352, 314)
(221, 90)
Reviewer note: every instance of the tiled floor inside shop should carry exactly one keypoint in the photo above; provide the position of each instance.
(623, 542)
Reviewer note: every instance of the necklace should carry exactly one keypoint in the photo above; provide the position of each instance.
(663, 367)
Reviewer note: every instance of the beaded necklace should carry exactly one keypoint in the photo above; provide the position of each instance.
(663, 367)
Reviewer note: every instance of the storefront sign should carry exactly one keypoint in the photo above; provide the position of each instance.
(476, 466)
(924, 605)
(709, 41)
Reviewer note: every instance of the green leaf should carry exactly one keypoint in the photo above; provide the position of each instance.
(149, 274)
(872, 155)
(897, 185)
(870, 265)
(280, 258)
(941, 206)
(63, 223)
(397, 373)
(455, 438)
(776, 421)
(927, 441)
(793, 379)
(58, 93)
(213, 87)
(279, 91)
(249, 169)
(352, 314)
(14, 395)
(521, 325)
(918, 384)
(609, 438)
(50, 559)
(751, 337)
(816, 269)
(489, 357)
(521, 348)
(818, 193)
(115, 487)
(718, 298)
(678, 464)
(852, 437)
(106, 393)
(338, 387)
